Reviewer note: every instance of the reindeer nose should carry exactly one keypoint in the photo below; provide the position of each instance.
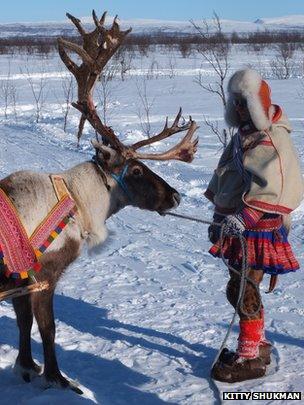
(176, 199)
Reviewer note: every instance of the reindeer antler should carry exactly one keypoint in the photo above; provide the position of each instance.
(184, 150)
(97, 49)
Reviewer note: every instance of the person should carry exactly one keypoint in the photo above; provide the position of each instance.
(254, 188)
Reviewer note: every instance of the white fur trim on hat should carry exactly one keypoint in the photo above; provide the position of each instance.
(246, 83)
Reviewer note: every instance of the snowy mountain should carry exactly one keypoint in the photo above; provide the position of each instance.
(289, 21)
(59, 28)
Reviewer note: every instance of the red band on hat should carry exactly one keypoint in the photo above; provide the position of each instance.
(264, 95)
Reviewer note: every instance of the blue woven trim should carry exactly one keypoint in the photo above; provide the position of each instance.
(267, 235)
(120, 180)
(272, 270)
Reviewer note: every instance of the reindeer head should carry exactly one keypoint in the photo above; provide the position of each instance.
(143, 188)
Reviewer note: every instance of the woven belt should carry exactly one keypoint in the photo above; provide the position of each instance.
(268, 224)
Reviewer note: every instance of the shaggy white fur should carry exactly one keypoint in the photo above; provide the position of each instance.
(246, 83)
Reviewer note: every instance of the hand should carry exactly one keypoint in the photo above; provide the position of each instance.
(234, 225)
(214, 231)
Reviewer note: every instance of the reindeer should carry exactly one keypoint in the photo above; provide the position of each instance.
(100, 188)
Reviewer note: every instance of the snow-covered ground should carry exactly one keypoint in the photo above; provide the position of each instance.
(140, 321)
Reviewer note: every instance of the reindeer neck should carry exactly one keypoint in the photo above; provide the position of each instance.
(94, 201)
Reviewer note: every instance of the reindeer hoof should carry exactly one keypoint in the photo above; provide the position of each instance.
(76, 389)
(62, 382)
(27, 373)
(26, 377)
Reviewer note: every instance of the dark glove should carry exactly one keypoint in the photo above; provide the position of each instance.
(234, 225)
(214, 231)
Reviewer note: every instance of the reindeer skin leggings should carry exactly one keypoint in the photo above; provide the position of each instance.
(251, 300)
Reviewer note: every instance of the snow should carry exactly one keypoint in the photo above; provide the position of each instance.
(294, 20)
(65, 27)
(140, 320)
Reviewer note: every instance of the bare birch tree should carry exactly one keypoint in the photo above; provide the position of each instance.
(104, 90)
(125, 64)
(38, 90)
(66, 97)
(215, 50)
(8, 93)
(146, 104)
(282, 65)
(171, 66)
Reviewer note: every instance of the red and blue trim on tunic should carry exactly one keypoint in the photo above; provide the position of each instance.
(268, 248)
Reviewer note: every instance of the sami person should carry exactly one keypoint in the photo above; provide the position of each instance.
(257, 183)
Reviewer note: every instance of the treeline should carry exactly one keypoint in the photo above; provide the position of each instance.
(146, 41)
(28, 45)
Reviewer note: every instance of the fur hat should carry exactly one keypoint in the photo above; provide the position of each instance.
(248, 84)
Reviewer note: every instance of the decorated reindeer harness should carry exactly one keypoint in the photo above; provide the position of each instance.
(20, 253)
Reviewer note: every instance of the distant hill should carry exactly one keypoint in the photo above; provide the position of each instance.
(65, 28)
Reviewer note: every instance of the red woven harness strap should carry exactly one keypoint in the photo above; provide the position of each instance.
(60, 216)
(18, 256)
(53, 224)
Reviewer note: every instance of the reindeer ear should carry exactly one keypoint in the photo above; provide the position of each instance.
(107, 156)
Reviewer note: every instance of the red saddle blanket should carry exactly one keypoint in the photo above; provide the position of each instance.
(19, 253)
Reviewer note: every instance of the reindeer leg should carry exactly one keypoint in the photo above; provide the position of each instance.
(43, 310)
(25, 364)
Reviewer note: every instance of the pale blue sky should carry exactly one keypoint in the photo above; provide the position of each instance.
(48, 10)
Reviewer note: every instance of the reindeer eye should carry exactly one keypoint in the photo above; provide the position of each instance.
(137, 171)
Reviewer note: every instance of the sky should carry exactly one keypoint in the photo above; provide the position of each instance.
(54, 10)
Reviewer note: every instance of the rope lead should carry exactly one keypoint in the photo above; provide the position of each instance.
(242, 274)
